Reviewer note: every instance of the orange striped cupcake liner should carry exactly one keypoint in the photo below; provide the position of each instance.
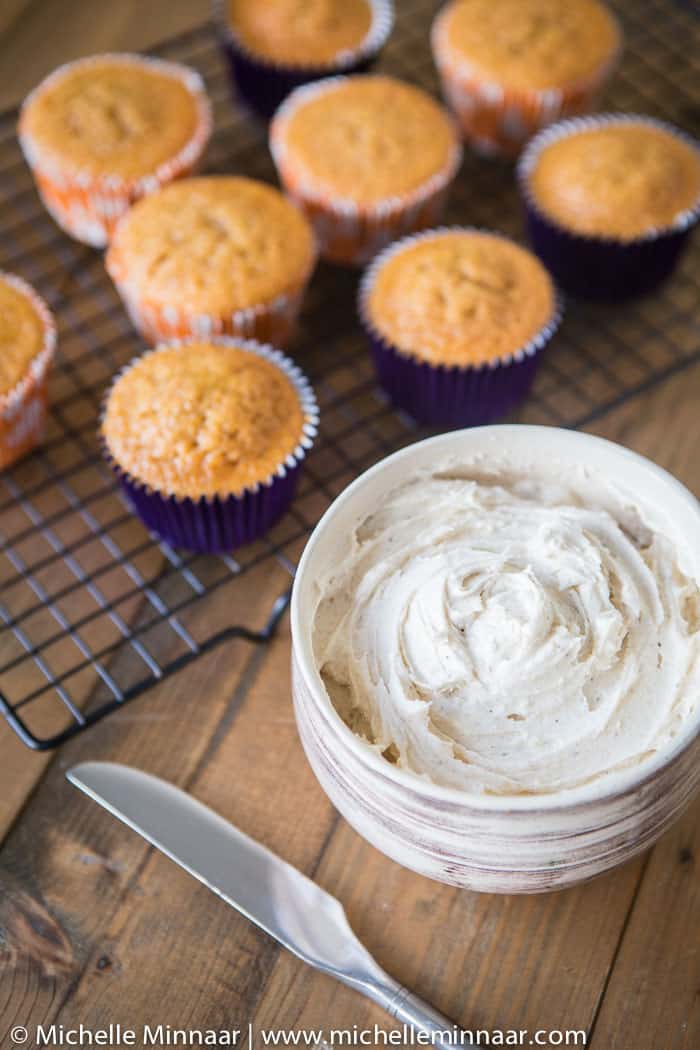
(23, 408)
(499, 120)
(88, 207)
(269, 322)
(347, 232)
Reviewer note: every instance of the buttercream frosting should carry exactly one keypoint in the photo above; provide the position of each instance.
(507, 635)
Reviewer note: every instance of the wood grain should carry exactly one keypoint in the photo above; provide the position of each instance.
(19, 771)
(66, 864)
(653, 996)
(35, 33)
(243, 778)
(660, 952)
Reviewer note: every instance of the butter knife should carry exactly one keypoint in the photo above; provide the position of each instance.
(271, 893)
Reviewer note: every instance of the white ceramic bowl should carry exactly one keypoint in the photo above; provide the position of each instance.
(499, 844)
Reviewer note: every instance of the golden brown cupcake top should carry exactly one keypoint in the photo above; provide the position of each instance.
(312, 33)
(202, 419)
(22, 334)
(213, 245)
(619, 180)
(459, 297)
(118, 115)
(531, 44)
(365, 139)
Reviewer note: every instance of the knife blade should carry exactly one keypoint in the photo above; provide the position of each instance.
(278, 898)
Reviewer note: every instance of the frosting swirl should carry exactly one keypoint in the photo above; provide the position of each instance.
(509, 635)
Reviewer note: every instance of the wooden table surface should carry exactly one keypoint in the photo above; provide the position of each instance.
(97, 928)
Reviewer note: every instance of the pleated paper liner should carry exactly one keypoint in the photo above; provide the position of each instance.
(602, 268)
(220, 523)
(23, 408)
(271, 322)
(347, 232)
(87, 206)
(497, 119)
(451, 396)
(263, 84)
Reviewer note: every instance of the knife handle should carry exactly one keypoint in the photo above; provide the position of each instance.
(409, 1009)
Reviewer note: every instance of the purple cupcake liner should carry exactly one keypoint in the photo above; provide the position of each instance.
(451, 396)
(222, 523)
(263, 85)
(216, 525)
(599, 268)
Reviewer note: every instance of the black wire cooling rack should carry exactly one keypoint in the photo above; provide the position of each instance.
(93, 611)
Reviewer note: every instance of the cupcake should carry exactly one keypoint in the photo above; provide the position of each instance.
(104, 131)
(610, 202)
(28, 341)
(207, 438)
(276, 46)
(510, 68)
(368, 159)
(456, 320)
(211, 255)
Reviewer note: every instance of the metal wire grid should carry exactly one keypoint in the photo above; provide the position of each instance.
(94, 610)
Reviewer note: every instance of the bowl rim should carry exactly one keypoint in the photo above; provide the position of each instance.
(579, 797)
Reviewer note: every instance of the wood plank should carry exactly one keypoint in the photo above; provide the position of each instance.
(64, 869)
(653, 997)
(491, 962)
(38, 36)
(255, 775)
(663, 424)
(20, 770)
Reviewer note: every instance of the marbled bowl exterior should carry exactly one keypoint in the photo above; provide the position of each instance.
(492, 851)
(489, 844)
